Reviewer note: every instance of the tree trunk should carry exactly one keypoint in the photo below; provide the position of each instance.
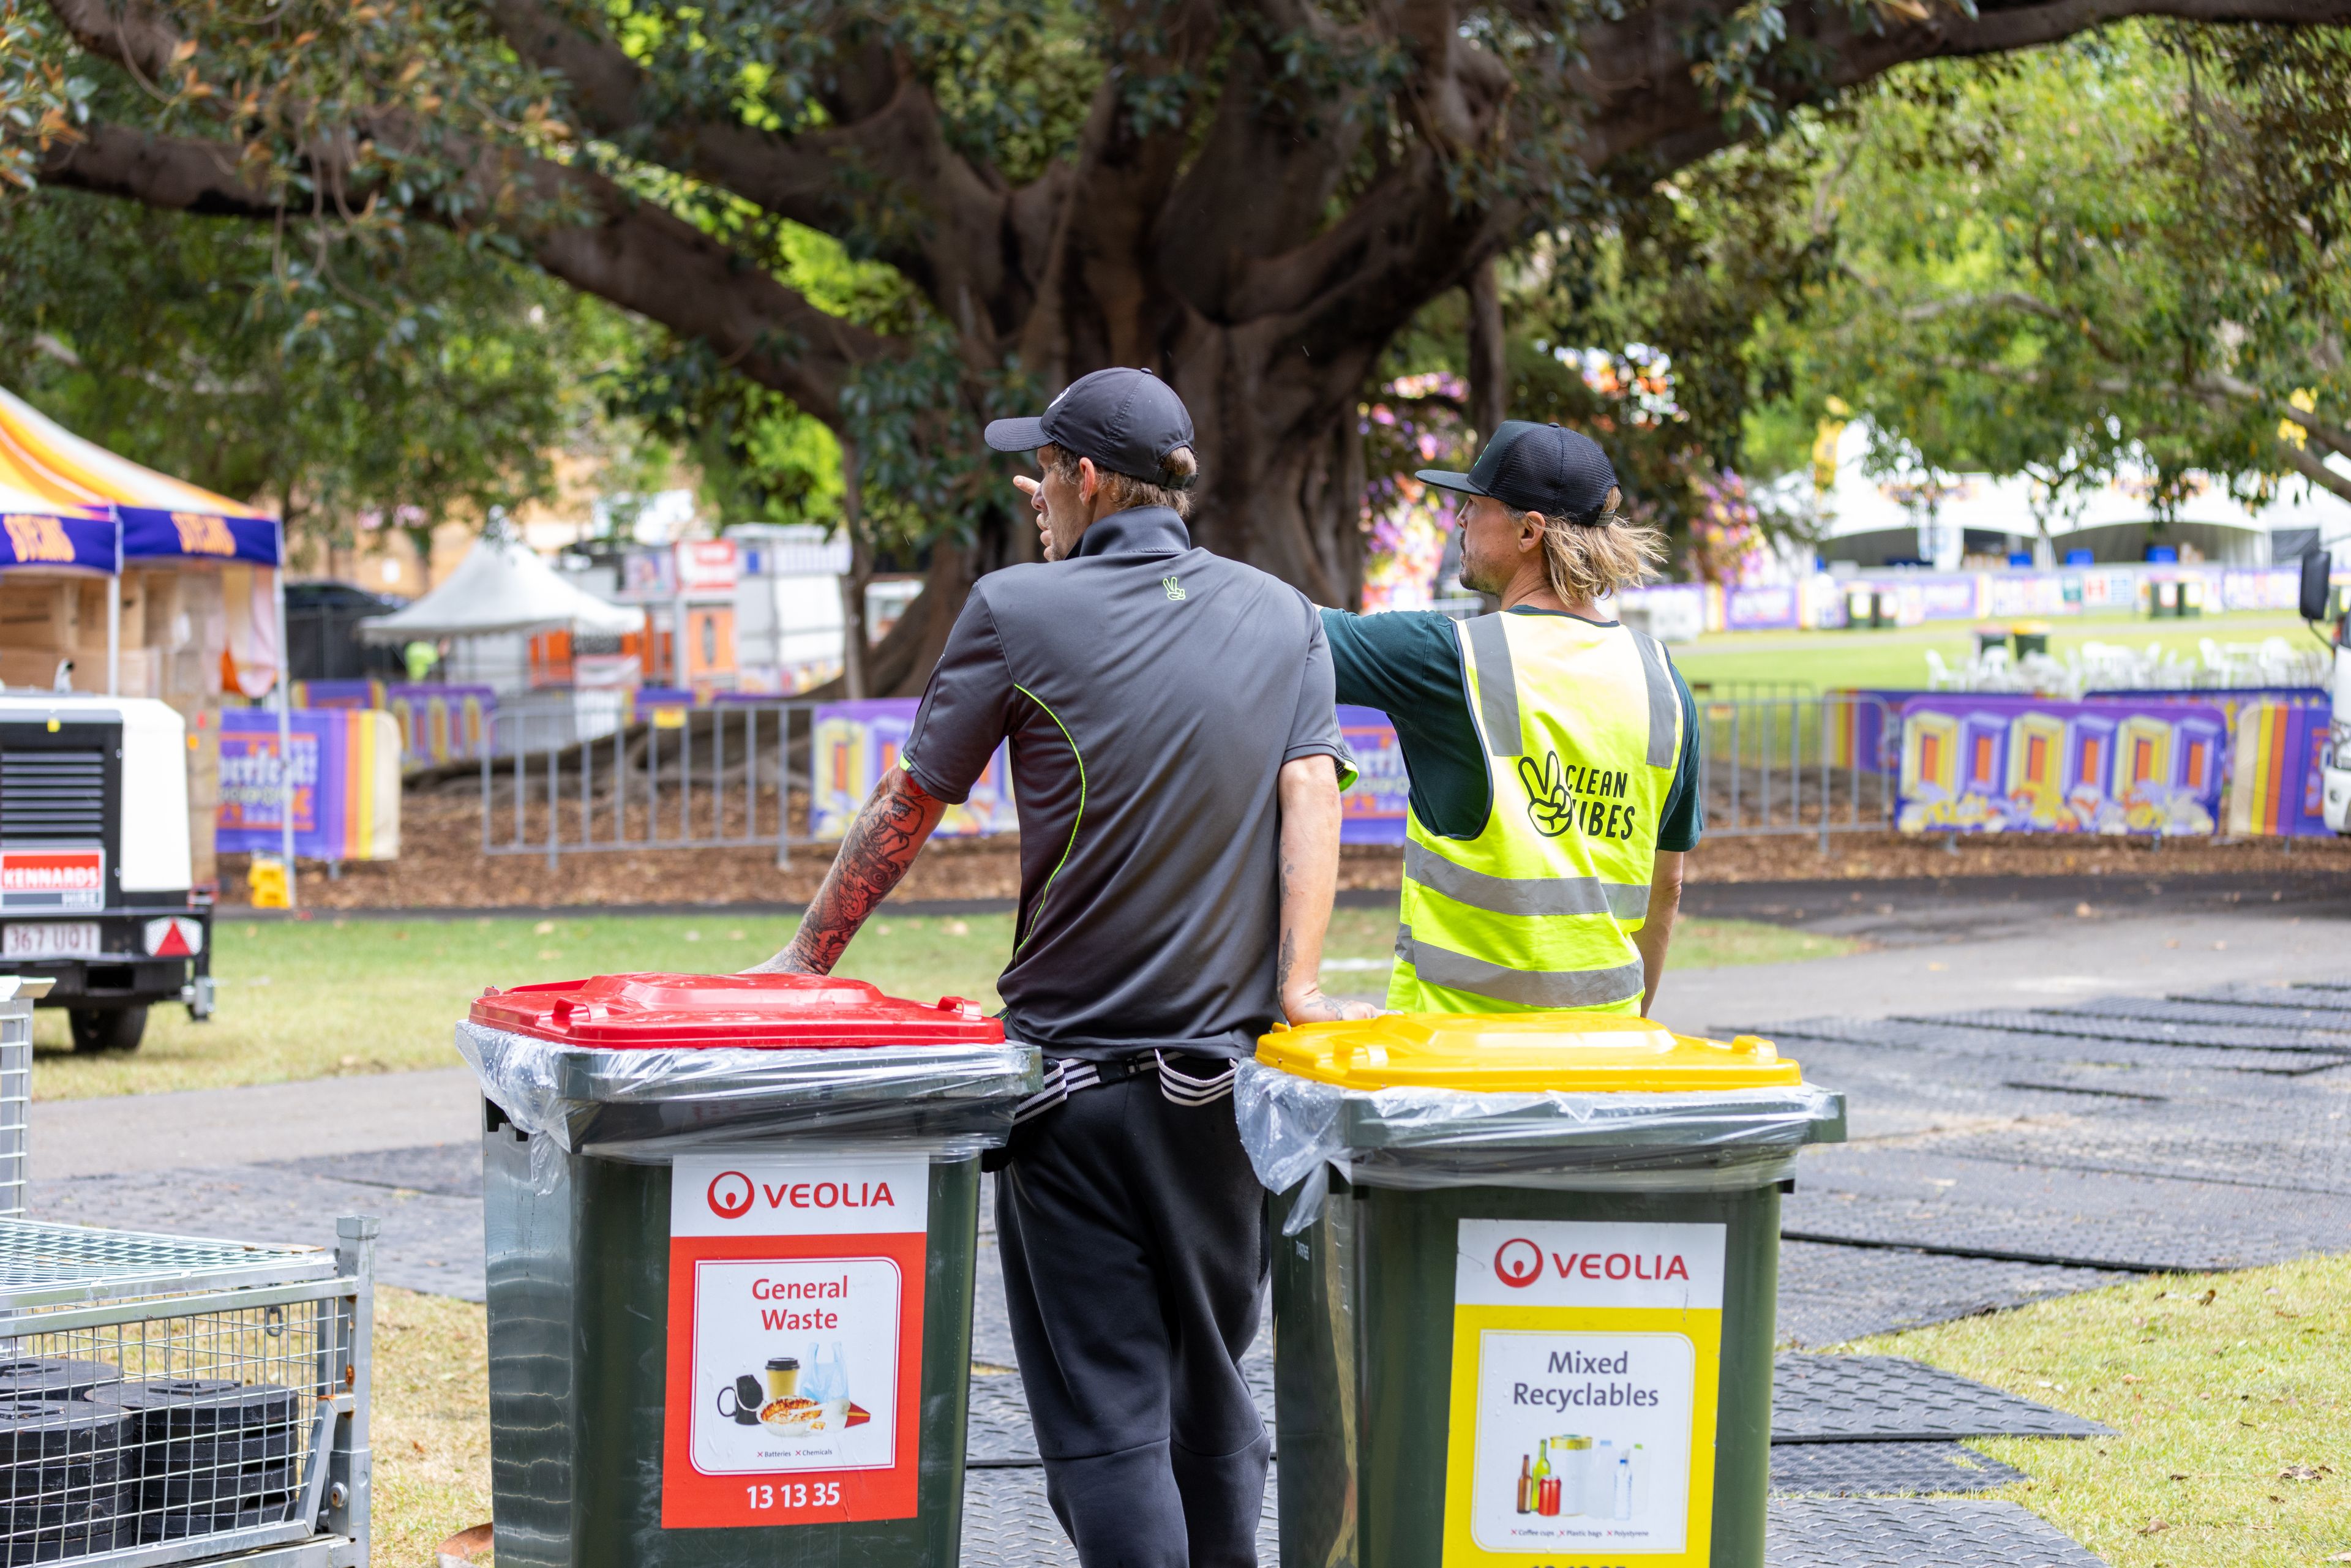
(855, 653)
(1490, 375)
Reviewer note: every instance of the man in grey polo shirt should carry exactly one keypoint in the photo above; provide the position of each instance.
(1177, 766)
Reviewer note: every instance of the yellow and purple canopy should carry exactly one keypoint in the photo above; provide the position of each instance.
(159, 517)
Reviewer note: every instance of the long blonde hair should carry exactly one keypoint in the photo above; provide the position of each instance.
(1589, 561)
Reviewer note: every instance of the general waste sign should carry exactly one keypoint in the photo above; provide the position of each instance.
(795, 1341)
(53, 879)
(1586, 1360)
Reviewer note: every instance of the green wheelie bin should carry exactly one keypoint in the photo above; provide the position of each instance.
(731, 1224)
(1523, 1287)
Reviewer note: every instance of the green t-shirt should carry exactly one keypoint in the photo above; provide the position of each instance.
(1407, 664)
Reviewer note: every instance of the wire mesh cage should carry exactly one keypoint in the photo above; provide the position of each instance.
(164, 1399)
(17, 998)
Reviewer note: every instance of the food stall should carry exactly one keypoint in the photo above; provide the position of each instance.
(194, 608)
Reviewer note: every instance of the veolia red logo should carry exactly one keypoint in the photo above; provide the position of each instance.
(730, 1195)
(1518, 1263)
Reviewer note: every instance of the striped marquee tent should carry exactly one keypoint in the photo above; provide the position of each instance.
(67, 503)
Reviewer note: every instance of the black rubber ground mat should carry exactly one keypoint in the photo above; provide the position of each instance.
(2171, 1009)
(1830, 1294)
(450, 1170)
(1893, 1091)
(1883, 1470)
(1890, 1398)
(1008, 1524)
(1909, 1532)
(2024, 1021)
(2300, 1144)
(1924, 1199)
(2061, 1046)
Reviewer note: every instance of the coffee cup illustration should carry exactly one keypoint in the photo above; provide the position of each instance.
(739, 1401)
(783, 1376)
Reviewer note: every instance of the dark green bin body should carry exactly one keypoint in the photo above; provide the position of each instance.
(579, 1314)
(1362, 1325)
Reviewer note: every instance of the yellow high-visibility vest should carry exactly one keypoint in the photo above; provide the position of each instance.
(1582, 731)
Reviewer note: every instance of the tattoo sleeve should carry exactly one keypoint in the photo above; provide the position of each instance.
(880, 845)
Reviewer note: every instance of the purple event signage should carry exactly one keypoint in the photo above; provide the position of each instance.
(1991, 764)
(857, 742)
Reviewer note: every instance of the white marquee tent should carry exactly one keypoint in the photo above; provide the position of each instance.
(503, 588)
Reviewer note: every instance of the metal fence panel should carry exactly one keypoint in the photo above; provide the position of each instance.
(738, 775)
(721, 776)
(1798, 764)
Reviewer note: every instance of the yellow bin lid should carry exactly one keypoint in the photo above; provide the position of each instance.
(1523, 1053)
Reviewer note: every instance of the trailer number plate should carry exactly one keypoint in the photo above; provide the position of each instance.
(50, 939)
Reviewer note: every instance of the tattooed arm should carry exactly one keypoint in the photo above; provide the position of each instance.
(874, 853)
(1309, 791)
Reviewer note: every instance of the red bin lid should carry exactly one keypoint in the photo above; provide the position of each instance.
(631, 1012)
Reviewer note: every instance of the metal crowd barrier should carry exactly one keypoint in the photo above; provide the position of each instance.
(731, 775)
(1801, 764)
(736, 774)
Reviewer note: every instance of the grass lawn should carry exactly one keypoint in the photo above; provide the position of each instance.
(318, 999)
(1896, 657)
(2230, 1396)
(430, 1426)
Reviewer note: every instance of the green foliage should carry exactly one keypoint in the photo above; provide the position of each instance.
(2123, 250)
(418, 379)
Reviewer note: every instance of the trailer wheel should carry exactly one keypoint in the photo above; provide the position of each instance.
(111, 1029)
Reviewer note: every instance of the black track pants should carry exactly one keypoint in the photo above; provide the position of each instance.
(1132, 1233)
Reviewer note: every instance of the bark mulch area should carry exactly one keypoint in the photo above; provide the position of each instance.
(442, 866)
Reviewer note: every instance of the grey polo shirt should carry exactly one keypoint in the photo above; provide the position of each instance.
(1151, 691)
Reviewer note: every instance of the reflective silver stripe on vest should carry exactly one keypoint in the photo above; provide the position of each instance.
(1497, 684)
(1526, 988)
(1664, 702)
(1524, 896)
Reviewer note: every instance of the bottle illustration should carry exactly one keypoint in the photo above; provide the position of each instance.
(1640, 1459)
(1600, 1479)
(1546, 1485)
(1574, 1472)
(1526, 1485)
(1623, 1488)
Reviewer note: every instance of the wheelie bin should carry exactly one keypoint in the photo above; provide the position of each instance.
(1523, 1291)
(731, 1223)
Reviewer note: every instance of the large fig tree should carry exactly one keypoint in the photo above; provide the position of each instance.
(1250, 196)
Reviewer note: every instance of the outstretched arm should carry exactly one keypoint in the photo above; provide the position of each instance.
(874, 854)
(1309, 792)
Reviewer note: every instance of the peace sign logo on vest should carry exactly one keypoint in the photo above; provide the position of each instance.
(1548, 807)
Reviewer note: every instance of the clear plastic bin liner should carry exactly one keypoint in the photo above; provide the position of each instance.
(1422, 1138)
(649, 1106)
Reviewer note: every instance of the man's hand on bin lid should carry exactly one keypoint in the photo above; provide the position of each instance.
(1311, 1006)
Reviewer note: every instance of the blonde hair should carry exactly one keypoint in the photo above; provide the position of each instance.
(1125, 492)
(1589, 561)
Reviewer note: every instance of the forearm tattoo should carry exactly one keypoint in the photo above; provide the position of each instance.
(874, 855)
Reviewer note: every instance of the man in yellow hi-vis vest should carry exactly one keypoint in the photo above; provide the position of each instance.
(1552, 750)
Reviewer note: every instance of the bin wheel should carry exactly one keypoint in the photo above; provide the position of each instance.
(109, 1028)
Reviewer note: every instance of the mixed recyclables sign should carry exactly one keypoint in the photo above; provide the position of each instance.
(795, 1340)
(1586, 1359)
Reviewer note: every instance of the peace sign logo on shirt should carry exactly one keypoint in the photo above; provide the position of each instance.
(1548, 807)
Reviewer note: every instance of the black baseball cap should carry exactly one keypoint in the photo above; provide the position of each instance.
(1532, 467)
(1126, 421)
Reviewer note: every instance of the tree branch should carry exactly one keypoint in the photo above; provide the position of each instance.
(896, 145)
(593, 235)
(2306, 462)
